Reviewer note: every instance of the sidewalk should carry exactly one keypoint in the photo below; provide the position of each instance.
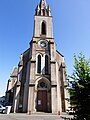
(34, 116)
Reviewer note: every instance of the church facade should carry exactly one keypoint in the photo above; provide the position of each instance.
(38, 84)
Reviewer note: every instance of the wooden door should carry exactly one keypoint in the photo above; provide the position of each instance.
(42, 101)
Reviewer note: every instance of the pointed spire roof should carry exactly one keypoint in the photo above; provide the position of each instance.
(43, 9)
(43, 4)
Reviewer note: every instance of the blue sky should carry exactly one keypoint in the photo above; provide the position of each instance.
(71, 26)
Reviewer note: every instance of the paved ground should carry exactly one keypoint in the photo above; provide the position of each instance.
(33, 117)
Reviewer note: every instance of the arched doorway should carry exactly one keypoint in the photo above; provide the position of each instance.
(43, 99)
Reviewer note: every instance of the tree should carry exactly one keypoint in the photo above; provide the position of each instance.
(79, 88)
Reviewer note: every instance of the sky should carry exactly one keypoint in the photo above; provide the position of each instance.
(71, 29)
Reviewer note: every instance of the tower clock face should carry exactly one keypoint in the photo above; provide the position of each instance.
(43, 43)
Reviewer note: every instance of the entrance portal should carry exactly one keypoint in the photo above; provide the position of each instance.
(43, 95)
(42, 101)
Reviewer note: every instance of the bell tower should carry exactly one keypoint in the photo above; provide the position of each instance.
(43, 55)
(43, 21)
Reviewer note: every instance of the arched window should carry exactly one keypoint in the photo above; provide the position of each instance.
(43, 12)
(46, 64)
(43, 28)
(39, 64)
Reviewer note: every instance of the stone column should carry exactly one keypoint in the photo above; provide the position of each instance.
(33, 44)
(18, 85)
(16, 99)
(31, 87)
(26, 87)
(35, 97)
(53, 51)
(54, 99)
(31, 99)
(59, 104)
(62, 77)
(53, 87)
(53, 77)
(66, 94)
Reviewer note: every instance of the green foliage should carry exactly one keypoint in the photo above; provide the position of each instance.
(80, 88)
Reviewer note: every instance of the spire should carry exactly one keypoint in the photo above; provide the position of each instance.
(42, 9)
(43, 4)
(49, 10)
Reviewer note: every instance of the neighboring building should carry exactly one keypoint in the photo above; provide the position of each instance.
(39, 83)
(11, 86)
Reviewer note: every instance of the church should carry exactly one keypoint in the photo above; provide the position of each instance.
(38, 84)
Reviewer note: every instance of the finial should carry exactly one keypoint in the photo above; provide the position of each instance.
(43, 4)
